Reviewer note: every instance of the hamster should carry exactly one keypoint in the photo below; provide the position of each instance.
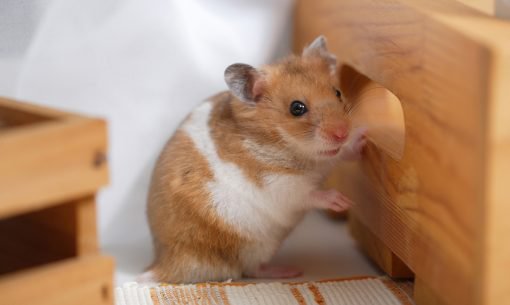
(243, 169)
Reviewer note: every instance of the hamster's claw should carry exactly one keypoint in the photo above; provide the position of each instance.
(331, 199)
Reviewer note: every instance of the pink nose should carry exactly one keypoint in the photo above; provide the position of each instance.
(341, 133)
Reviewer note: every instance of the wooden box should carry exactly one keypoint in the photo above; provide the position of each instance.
(441, 208)
(51, 165)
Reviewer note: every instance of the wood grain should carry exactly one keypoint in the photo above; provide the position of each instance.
(86, 280)
(378, 251)
(441, 207)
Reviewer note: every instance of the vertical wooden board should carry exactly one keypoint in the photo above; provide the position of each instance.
(86, 226)
(434, 55)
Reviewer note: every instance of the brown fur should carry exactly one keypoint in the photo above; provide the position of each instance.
(228, 133)
(181, 221)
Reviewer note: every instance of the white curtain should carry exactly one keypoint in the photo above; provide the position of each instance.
(140, 64)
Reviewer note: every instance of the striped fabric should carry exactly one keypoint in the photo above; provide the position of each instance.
(362, 291)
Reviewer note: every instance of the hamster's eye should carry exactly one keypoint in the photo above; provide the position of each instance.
(338, 93)
(298, 108)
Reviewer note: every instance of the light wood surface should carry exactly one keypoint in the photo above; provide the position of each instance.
(86, 280)
(442, 207)
(49, 161)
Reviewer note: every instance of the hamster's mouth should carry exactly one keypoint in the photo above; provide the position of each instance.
(329, 153)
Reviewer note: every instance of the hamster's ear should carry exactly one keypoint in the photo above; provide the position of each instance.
(245, 82)
(318, 48)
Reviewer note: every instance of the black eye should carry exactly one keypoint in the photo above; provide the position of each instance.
(297, 108)
(338, 93)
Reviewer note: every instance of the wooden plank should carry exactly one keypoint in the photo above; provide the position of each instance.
(47, 163)
(18, 113)
(432, 207)
(378, 251)
(86, 281)
(11, 118)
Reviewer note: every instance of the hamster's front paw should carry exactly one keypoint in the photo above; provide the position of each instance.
(330, 199)
(353, 149)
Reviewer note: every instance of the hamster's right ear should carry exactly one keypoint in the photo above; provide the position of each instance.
(245, 82)
(319, 48)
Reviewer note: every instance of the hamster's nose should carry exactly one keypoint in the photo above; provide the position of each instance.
(341, 132)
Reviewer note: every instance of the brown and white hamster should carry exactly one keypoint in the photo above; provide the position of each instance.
(245, 166)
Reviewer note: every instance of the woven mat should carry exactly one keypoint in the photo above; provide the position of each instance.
(357, 291)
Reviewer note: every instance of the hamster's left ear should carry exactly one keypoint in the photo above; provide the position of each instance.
(245, 82)
(318, 48)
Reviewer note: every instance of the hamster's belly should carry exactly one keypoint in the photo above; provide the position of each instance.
(262, 215)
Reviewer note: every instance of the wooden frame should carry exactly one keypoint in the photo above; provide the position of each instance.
(442, 209)
(51, 165)
(48, 156)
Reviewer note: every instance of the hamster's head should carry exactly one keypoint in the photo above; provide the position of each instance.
(296, 101)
